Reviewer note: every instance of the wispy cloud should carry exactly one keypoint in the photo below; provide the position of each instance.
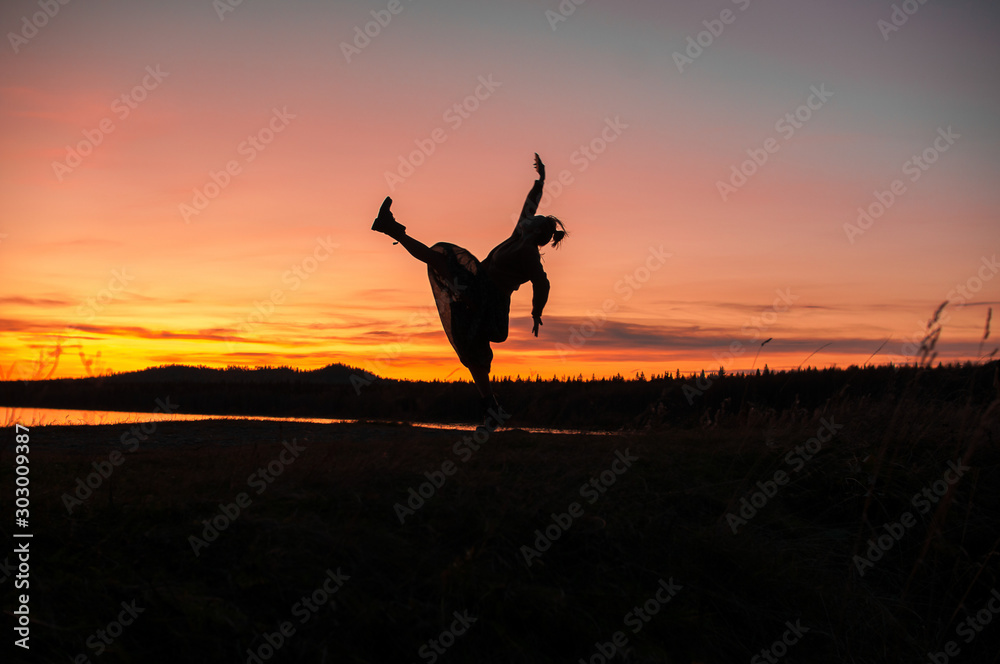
(36, 301)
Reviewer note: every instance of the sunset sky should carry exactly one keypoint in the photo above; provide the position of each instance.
(194, 182)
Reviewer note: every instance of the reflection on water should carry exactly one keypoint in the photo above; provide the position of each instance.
(39, 417)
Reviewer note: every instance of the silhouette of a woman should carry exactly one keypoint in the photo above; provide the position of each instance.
(473, 297)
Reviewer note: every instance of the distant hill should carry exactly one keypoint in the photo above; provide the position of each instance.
(332, 374)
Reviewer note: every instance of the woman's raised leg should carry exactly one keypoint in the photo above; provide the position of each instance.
(423, 253)
(386, 223)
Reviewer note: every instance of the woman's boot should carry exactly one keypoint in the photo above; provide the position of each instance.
(386, 223)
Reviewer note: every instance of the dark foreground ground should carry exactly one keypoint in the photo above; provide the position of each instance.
(642, 566)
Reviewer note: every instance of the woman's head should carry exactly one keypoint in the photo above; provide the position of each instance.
(544, 229)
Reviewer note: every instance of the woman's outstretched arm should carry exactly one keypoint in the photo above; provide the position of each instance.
(535, 195)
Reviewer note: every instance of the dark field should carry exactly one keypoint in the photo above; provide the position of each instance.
(645, 567)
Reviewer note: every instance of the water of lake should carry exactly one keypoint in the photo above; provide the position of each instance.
(39, 417)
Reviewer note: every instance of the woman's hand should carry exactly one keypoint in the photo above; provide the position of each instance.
(540, 167)
(538, 321)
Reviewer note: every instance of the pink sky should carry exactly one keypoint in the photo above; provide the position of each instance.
(310, 138)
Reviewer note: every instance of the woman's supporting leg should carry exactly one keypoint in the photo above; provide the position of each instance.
(481, 376)
(493, 414)
(491, 411)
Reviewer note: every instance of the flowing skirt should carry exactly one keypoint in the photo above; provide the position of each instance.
(473, 310)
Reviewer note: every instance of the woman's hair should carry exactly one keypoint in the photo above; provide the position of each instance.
(558, 230)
